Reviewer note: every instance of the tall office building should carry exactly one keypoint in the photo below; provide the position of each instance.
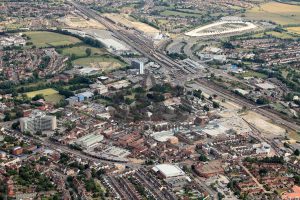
(139, 65)
(38, 121)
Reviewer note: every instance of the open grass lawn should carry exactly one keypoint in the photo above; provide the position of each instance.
(44, 92)
(294, 135)
(50, 95)
(105, 63)
(252, 74)
(283, 35)
(179, 13)
(54, 98)
(294, 29)
(48, 39)
(279, 13)
(79, 51)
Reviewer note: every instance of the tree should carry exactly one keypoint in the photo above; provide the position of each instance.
(19, 114)
(15, 125)
(263, 172)
(220, 196)
(88, 51)
(216, 104)
(38, 97)
(297, 152)
(203, 158)
(205, 108)
(7, 116)
(228, 45)
(197, 93)
(262, 101)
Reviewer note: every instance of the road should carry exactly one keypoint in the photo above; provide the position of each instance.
(143, 45)
(62, 148)
(254, 179)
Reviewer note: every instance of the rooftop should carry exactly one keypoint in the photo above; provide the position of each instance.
(168, 170)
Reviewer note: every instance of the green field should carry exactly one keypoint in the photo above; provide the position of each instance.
(50, 39)
(279, 13)
(179, 13)
(252, 74)
(294, 135)
(105, 63)
(79, 51)
(54, 98)
(50, 95)
(283, 35)
(295, 30)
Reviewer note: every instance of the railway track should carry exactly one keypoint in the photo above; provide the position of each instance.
(143, 45)
(250, 105)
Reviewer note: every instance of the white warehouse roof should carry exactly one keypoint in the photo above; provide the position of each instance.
(168, 170)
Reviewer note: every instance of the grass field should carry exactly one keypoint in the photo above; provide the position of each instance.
(50, 95)
(294, 29)
(48, 39)
(252, 74)
(294, 135)
(283, 35)
(54, 98)
(279, 13)
(179, 13)
(102, 62)
(79, 51)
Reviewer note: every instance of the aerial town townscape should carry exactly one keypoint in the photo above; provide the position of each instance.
(149, 99)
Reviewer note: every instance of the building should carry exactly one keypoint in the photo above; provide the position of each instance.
(84, 96)
(119, 84)
(294, 195)
(80, 97)
(265, 86)
(38, 121)
(262, 148)
(99, 87)
(139, 65)
(89, 140)
(2, 154)
(168, 170)
(17, 150)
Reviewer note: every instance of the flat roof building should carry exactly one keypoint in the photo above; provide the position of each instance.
(168, 170)
(38, 121)
(89, 140)
(265, 86)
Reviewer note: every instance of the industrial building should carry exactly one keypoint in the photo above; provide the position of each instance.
(265, 86)
(163, 136)
(80, 97)
(38, 121)
(89, 140)
(168, 170)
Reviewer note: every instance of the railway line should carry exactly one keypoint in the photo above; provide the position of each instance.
(145, 47)
(250, 105)
(136, 41)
